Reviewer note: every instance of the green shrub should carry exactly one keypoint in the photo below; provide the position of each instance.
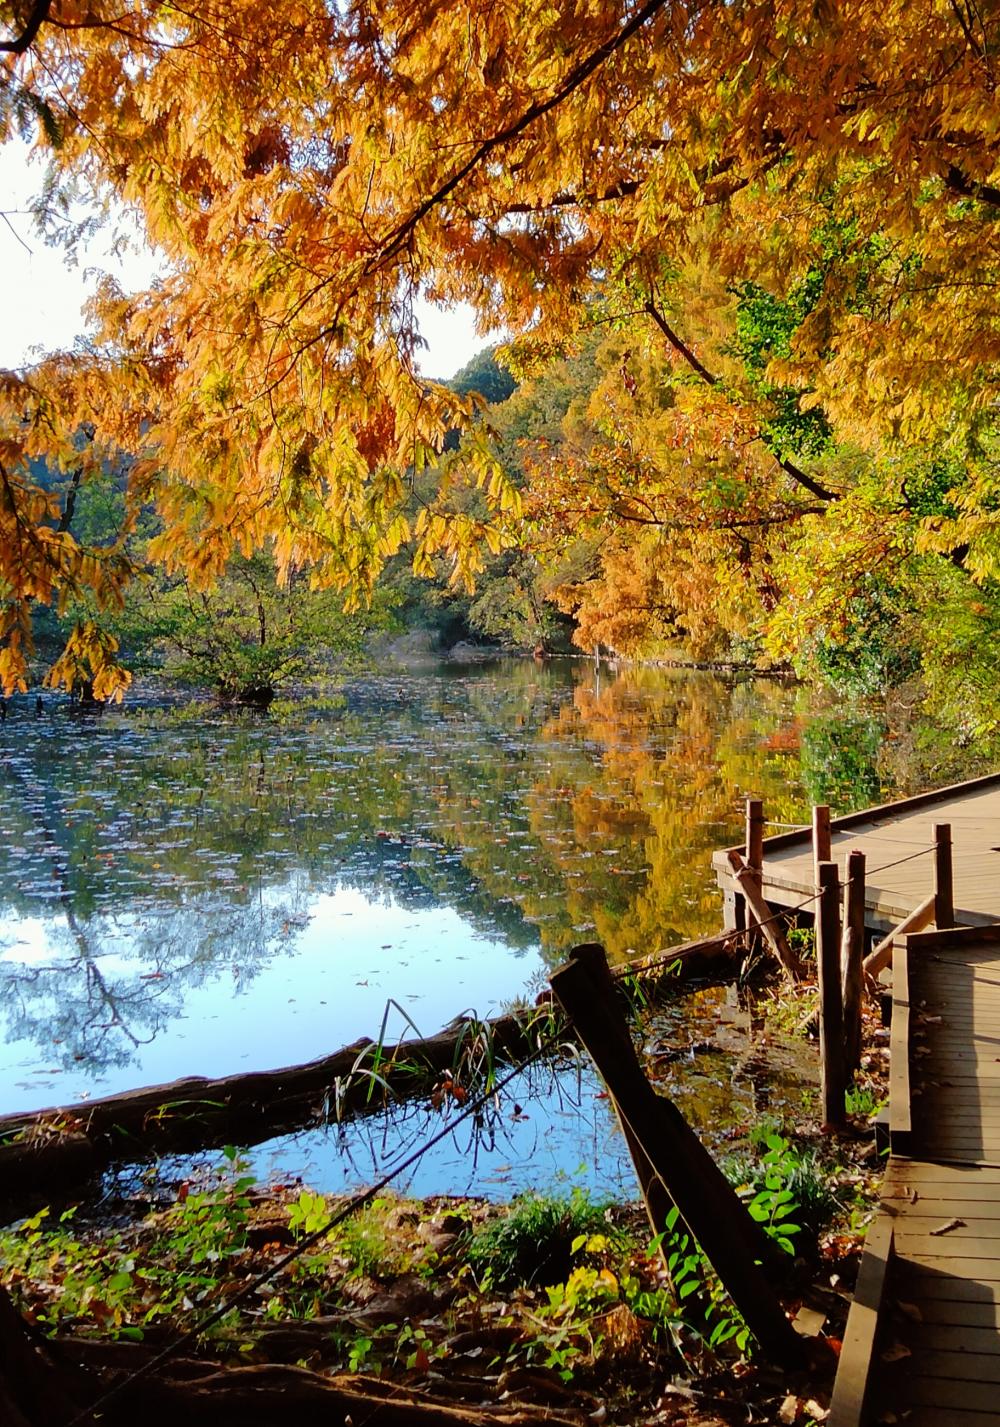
(534, 1242)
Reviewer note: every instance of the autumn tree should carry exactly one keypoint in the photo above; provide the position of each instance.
(305, 174)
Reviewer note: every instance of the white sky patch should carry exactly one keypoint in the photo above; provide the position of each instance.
(27, 942)
(43, 294)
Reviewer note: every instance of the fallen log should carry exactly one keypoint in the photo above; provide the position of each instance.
(48, 1151)
(692, 958)
(52, 1148)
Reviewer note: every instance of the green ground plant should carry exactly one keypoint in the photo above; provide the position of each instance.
(785, 1187)
(863, 1101)
(533, 1244)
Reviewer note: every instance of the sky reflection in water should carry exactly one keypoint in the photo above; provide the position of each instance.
(201, 896)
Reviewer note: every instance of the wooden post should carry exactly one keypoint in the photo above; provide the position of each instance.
(769, 926)
(852, 959)
(706, 1202)
(821, 839)
(831, 1006)
(657, 1200)
(881, 956)
(944, 896)
(754, 857)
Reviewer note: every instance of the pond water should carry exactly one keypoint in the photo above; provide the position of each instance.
(194, 893)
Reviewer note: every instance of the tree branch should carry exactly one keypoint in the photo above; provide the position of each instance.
(716, 191)
(961, 183)
(69, 504)
(789, 467)
(35, 21)
(397, 239)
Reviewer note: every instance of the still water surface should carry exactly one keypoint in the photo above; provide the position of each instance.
(205, 894)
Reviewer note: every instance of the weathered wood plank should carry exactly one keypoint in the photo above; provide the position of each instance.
(969, 1266)
(772, 930)
(934, 1191)
(882, 955)
(951, 1395)
(913, 1216)
(980, 1237)
(854, 1373)
(900, 1100)
(964, 1314)
(914, 1282)
(931, 1417)
(706, 1202)
(914, 1172)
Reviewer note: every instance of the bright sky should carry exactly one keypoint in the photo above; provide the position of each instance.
(43, 296)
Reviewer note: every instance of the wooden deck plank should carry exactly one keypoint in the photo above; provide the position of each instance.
(933, 1191)
(945, 1094)
(953, 1338)
(930, 1417)
(979, 1238)
(965, 1368)
(854, 1374)
(930, 1210)
(919, 1284)
(964, 1314)
(907, 1171)
(950, 1396)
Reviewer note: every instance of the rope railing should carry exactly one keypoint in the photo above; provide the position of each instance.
(922, 852)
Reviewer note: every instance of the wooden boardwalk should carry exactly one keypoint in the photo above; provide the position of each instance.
(922, 1345)
(896, 840)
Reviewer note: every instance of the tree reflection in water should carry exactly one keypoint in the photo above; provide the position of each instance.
(158, 865)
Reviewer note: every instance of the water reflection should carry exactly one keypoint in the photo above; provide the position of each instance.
(196, 896)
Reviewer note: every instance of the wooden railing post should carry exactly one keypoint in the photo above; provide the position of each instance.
(852, 959)
(754, 854)
(822, 843)
(944, 896)
(591, 956)
(705, 1200)
(831, 1005)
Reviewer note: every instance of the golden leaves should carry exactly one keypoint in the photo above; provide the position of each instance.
(88, 660)
(283, 160)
